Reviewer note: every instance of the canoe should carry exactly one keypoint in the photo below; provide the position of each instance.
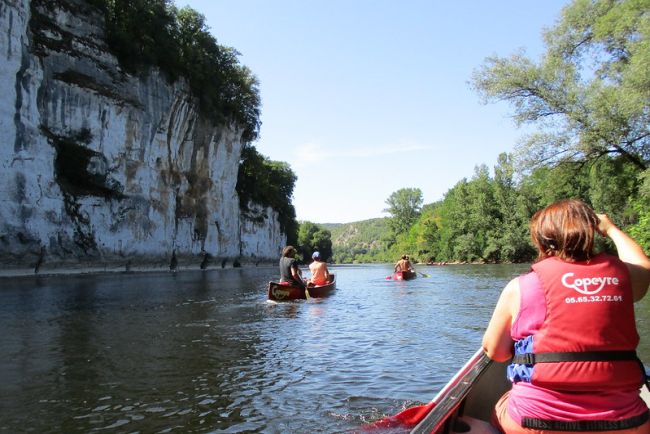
(464, 404)
(282, 292)
(404, 275)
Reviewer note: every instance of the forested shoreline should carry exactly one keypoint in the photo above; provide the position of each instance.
(485, 219)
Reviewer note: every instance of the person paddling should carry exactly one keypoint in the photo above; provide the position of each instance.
(319, 273)
(569, 323)
(289, 271)
(404, 264)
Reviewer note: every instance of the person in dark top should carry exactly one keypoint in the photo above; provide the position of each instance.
(289, 270)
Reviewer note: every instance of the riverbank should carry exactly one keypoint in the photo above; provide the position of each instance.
(70, 267)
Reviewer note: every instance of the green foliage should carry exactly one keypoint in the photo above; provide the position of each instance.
(640, 228)
(485, 219)
(404, 206)
(589, 95)
(271, 183)
(312, 237)
(360, 242)
(145, 33)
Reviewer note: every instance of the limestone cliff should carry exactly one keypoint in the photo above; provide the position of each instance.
(102, 167)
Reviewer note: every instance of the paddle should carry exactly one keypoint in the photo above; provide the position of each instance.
(424, 274)
(300, 279)
(463, 379)
(405, 418)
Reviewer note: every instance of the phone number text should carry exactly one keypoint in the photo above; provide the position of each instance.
(593, 299)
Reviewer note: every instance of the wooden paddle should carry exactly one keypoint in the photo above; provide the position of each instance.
(304, 282)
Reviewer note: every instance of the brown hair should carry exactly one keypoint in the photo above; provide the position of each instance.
(289, 252)
(564, 229)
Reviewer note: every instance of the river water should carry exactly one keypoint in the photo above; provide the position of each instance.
(204, 351)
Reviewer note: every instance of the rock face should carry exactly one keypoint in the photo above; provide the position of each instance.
(99, 166)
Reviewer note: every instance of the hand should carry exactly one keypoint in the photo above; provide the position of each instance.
(604, 224)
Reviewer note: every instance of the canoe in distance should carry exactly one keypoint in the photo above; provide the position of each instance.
(283, 292)
(404, 275)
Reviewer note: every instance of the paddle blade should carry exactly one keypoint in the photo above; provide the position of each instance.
(389, 277)
(406, 418)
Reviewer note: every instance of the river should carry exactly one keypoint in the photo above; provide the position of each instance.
(204, 351)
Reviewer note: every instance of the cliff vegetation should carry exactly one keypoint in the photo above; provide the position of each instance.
(145, 33)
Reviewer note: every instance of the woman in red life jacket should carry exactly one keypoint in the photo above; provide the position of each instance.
(569, 327)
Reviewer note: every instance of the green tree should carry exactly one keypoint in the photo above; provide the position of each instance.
(146, 33)
(613, 183)
(271, 183)
(143, 33)
(513, 242)
(404, 206)
(590, 94)
(312, 237)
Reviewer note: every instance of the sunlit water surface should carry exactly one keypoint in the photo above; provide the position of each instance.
(206, 352)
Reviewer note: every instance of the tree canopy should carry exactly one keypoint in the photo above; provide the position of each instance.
(145, 33)
(404, 206)
(589, 95)
(485, 219)
(312, 237)
(269, 183)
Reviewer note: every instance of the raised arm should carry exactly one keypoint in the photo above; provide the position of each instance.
(629, 252)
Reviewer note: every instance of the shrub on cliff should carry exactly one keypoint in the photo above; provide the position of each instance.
(267, 182)
(144, 33)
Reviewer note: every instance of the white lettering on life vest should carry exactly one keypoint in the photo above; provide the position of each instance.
(588, 285)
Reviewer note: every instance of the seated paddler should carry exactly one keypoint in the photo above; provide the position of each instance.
(290, 273)
(318, 268)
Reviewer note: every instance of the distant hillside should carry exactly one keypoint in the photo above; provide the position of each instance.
(361, 241)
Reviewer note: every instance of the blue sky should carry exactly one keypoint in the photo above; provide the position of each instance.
(364, 97)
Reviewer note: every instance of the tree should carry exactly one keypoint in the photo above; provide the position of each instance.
(312, 237)
(640, 230)
(590, 94)
(145, 33)
(270, 183)
(404, 205)
(513, 243)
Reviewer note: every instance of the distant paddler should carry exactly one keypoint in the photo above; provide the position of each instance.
(404, 265)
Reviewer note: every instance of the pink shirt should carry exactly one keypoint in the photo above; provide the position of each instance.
(532, 401)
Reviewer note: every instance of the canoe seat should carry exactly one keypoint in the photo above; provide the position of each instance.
(470, 425)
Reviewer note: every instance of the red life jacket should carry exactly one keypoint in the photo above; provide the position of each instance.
(589, 327)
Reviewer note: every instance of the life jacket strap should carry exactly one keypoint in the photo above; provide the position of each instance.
(582, 356)
(585, 425)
